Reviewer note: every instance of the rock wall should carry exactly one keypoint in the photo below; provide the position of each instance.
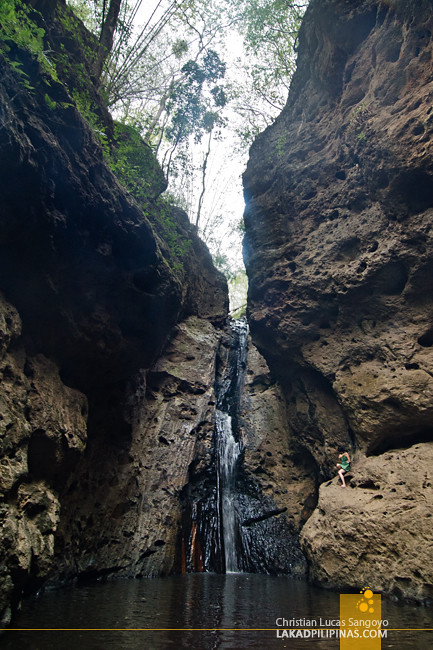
(379, 531)
(338, 249)
(95, 439)
(113, 337)
(123, 503)
(277, 476)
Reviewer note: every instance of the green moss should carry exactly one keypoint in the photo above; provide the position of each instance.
(281, 144)
(134, 163)
(19, 29)
(179, 246)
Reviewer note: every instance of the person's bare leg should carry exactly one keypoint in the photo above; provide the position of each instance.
(341, 475)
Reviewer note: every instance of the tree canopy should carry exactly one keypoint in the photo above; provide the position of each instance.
(198, 80)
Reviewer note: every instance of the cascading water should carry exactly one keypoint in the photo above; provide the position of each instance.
(211, 528)
(229, 525)
(228, 451)
(228, 445)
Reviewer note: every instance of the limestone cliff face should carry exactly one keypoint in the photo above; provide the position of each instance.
(94, 288)
(380, 530)
(338, 249)
(113, 340)
(123, 504)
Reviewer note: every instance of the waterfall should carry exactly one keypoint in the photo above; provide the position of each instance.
(227, 444)
(228, 451)
(229, 525)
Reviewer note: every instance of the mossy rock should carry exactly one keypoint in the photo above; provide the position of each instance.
(135, 163)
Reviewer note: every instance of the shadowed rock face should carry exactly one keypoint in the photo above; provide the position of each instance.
(91, 293)
(43, 433)
(123, 503)
(110, 348)
(338, 244)
(276, 475)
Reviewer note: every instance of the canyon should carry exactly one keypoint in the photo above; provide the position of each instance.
(116, 347)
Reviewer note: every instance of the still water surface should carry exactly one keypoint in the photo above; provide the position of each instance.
(242, 601)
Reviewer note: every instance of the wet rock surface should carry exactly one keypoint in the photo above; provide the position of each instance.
(123, 501)
(338, 243)
(273, 490)
(279, 481)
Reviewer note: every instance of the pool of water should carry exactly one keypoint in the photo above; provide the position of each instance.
(193, 611)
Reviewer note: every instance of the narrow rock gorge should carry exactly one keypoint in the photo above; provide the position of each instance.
(113, 340)
(338, 250)
(120, 368)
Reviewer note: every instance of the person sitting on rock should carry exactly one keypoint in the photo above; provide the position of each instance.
(344, 464)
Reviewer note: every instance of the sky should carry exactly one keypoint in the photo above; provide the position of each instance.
(223, 203)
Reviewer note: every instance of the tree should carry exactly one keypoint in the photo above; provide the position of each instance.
(106, 37)
(188, 107)
(169, 80)
(269, 29)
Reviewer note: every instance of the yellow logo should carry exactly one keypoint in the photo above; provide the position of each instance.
(360, 621)
(366, 603)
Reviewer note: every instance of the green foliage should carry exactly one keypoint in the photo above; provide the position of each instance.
(357, 120)
(52, 105)
(86, 13)
(222, 263)
(179, 48)
(134, 164)
(178, 245)
(169, 79)
(187, 105)
(270, 29)
(86, 107)
(238, 287)
(75, 71)
(281, 144)
(18, 27)
(358, 112)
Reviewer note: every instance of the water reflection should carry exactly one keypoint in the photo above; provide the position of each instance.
(194, 603)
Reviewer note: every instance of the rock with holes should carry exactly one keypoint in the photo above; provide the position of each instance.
(377, 531)
(42, 436)
(339, 238)
(339, 245)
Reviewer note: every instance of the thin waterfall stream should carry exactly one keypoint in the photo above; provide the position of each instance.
(229, 524)
(228, 451)
(228, 446)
